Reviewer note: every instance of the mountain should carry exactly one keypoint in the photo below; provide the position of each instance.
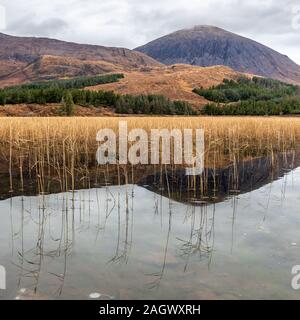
(27, 59)
(208, 46)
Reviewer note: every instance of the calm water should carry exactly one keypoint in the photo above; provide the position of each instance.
(128, 242)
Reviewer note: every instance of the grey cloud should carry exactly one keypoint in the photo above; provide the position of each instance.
(48, 27)
(131, 23)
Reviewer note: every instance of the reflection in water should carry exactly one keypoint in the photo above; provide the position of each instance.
(154, 240)
(217, 184)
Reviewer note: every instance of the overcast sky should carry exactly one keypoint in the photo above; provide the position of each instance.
(130, 23)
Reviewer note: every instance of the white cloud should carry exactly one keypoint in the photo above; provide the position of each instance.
(131, 23)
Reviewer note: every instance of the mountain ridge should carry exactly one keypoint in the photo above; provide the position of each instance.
(208, 45)
(17, 54)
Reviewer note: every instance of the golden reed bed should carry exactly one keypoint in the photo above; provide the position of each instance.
(66, 147)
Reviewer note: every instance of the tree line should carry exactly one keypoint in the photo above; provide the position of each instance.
(73, 83)
(252, 107)
(256, 96)
(258, 89)
(152, 104)
(59, 92)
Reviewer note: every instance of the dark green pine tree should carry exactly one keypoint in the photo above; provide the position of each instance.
(68, 104)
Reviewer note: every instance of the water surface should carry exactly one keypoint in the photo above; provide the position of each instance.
(140, 242)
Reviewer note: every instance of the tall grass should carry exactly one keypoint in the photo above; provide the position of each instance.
(64, 149)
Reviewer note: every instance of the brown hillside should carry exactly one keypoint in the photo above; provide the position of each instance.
(53, 67)
(175, 82)
(27, 59)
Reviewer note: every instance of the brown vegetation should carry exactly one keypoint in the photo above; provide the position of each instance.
(65, 148)
(175, 82)
(52, 67)
(49, 110)
(24, 59)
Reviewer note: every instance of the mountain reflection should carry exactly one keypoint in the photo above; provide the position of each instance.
(165, 235)
(215, 185)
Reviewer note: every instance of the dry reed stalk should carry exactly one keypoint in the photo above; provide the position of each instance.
(65, 148)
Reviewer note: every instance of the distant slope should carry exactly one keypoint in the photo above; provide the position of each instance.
(175, 82)
(27, 59)
(208, 46)
(52, 67)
